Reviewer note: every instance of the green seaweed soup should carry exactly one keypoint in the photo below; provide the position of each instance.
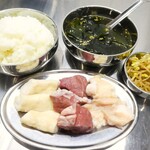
(90, 33)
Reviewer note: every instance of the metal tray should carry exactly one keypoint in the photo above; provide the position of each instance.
(37, 139)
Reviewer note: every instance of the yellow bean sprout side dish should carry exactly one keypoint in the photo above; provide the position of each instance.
(138, 69)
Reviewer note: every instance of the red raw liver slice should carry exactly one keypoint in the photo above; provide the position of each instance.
(61, 102)
(76, 119)
(63, 98)
(77, 84)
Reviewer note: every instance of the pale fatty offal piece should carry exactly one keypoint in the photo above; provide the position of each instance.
(106, 101)
(44, 121)
(35, 86)
(118, 115)
(97, 115)
(100, 88)
(38, 102)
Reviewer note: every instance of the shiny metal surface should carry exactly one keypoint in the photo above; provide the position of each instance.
(124, 14)
(129, 82)
(98, 59)
(139, 138)
(38, 63)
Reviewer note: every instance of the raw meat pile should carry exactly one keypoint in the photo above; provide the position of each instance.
(71, 104)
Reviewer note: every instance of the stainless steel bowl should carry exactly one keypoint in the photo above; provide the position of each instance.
(39, 63)
(130, 84)
(81, 54)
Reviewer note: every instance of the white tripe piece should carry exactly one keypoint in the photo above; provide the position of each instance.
(23, 38)
(38, 102)
(44, 121)
(39, 86)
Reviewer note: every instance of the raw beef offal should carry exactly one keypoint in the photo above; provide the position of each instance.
(77, 84)
(76, 119)
(64, 98)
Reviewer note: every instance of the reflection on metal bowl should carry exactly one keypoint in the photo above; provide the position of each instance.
(98, 59)
(78, 64)
(36, 64)
(129, 82)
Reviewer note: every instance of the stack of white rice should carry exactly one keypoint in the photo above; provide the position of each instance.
(22, 39)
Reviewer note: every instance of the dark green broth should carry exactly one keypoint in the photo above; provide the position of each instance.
(90, 34)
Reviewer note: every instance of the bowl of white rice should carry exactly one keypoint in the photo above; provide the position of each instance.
(28, 41)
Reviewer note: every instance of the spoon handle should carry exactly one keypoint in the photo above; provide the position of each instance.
(124, 14)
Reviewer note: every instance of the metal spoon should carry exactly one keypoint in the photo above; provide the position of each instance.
(124, 14)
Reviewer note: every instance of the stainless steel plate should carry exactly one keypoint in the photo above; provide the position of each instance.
(34, 138)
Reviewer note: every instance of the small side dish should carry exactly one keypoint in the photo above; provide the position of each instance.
(71, 105)
(138, 70)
